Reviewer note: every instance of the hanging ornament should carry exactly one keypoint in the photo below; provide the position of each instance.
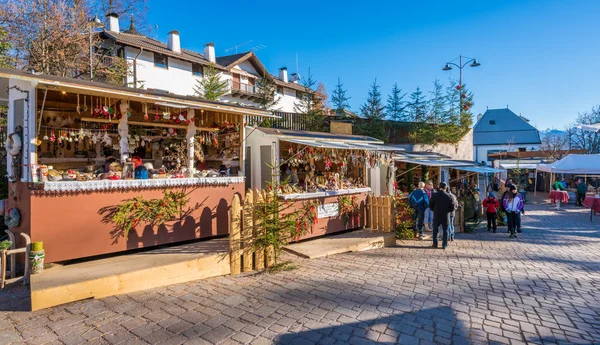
(156, 117)
(145, 112)
(458, 87)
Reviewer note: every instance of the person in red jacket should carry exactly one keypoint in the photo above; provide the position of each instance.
(491, 205)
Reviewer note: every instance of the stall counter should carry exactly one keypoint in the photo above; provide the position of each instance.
(329, 220)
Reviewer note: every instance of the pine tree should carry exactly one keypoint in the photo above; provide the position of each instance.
(437, 105)
(339, 100)
(211, 86)
(266, 91)
(309, 104)
(417, 107)
(373, 112)
(396, 106)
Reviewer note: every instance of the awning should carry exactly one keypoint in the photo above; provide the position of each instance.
(481, 170)
(431, 162)
(509, 166)
(376, 147)
(324, 144)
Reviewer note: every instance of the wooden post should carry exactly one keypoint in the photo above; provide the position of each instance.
(3, 268)
(247, 238)
(258, 255)
(369, 212)
(386, 214)
(392, 214)
(235, 235)
(381, 221)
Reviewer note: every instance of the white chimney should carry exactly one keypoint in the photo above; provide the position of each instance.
(283, 74)
(294, 78)
(113, 22)
(174, 43)
(209, 52)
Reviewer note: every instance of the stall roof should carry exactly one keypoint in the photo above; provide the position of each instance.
(322, 144)
(286, 134)
(480, 169)
(431, 162)
(75, 85)
(574, 164)
(509, 166)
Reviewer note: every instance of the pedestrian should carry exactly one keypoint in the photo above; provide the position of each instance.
(419, 201)
(452, 214)
(428, 213)
(558, 185)
(582, 188)
(491, 205)
(563, 182)
(442, 205)
(513, 204)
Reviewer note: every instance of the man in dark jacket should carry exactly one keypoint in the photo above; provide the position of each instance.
(582, 188)
(419, 201)
(442, 204)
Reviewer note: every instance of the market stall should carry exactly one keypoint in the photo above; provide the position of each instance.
(581, 164)
(93, 167)
(332, 169)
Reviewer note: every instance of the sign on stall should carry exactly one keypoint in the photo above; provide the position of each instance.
(327, 210)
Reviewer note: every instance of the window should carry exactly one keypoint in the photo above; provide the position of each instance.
(280, 90)
(160, 60)
(197, 70)
(492, 122)
(521, 149)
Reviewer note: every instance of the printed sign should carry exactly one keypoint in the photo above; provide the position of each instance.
(327, 210)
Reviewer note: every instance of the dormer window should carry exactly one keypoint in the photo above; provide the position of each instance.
(160, 61)
(197, 70)
(492, 122)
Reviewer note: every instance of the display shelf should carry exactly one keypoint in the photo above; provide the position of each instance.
(297, 196)
(69, 160)
(74, 186)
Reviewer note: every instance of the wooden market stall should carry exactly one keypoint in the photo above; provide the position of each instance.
(329, 168)
(87, 149)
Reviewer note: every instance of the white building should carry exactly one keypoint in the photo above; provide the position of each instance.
(501, 130)
(170, 68)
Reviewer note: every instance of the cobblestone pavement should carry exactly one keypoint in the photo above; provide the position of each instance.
(542, 288)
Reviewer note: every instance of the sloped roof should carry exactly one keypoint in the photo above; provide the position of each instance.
(501, 126)
(288, 133)
(149, 44)
(227, 60)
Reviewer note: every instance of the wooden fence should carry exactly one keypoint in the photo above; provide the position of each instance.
(381, 213)
(244, 230)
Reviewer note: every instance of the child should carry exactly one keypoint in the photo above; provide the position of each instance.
(490, 205)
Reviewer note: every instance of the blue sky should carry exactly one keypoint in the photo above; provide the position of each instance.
(541, 58)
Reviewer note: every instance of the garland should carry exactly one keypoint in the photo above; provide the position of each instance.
(306, 217)
(348, 208)
(136, 210)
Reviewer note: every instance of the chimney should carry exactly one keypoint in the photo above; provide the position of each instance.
(209, 52)
(283, 74)
(174, 44)
(294, 78)
(113, 22)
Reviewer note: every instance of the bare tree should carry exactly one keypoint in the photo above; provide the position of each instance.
(125, 9)
(54, 37)
(582, 139)
(554, 145)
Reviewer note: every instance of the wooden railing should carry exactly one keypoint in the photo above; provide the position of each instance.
(381, 213)
(291, 121)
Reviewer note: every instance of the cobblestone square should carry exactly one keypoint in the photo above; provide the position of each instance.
(542, 288)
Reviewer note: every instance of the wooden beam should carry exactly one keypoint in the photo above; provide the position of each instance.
(147, 124)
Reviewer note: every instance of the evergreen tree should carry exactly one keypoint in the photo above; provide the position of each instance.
(437, 104)
(339, 100)
(396, 106)
(211, 86)
(417, 107)
(310, 104)
(373, 112)
(266, 91)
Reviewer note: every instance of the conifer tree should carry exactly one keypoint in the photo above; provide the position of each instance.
(417, 106)
(396, 106)
(339, 100)
(373, 112)
(310, 104)
(211, 86)
(266, 91)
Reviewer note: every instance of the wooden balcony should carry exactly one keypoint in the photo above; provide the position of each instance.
(244, 90)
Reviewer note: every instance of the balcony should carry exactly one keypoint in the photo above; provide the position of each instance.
(244, 90)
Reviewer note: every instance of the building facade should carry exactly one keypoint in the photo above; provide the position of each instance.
(169, 68)
(501, 130)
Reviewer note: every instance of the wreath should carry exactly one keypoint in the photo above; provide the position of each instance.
(14, 144)
(12, 218)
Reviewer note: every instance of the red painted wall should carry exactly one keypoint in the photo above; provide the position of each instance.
(71, 226)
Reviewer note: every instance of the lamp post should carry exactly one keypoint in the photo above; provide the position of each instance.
(473, 63)
(93, 23)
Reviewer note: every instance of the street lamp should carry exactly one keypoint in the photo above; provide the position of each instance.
(93, 23)
(472, 63)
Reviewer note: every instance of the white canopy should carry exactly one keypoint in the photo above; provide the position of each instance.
(592, 128)
(574, 164)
